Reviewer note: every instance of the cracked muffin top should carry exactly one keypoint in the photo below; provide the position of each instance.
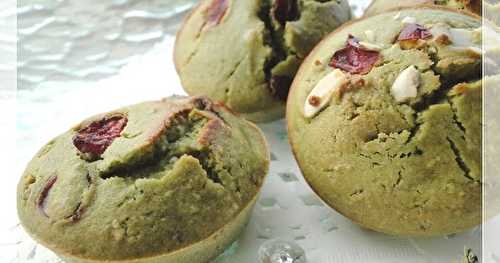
(246, 53)
(384, 118)
(142, 180)
(377, 6)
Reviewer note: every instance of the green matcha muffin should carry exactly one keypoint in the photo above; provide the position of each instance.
(164, 181)
(245, 53)
(378, 6)
(384, 118)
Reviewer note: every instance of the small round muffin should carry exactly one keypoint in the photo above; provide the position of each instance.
(384, 119)
(246, 53)
(378, 6)
(164, 181)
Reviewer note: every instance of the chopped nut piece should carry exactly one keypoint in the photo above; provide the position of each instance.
(406, 84)
(409, 20)
(321, 94)
(412, 44)
(370, 35)
(370, 46)
(443, 40)
(441, 33)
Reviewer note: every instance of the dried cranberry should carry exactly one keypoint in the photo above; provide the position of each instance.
(279, 86)
(285, 10)
(216, 11)
(95, 138)
(354, 59)
(414, 32)
(42, 199)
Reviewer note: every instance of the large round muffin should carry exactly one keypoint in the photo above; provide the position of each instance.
(164, 181)
(245, 53)
(378, 6)
(386, 126)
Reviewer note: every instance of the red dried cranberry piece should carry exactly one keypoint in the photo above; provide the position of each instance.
(216, 11)
(285, 10)
(42, 199)
(95, 138)
(354, 59)
(414, 32)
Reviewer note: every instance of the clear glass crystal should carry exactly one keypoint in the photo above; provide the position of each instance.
(281, 251)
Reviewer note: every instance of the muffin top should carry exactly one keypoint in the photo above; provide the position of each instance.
(246, 53)
(378, 6)
(142, 180)
(384, 118)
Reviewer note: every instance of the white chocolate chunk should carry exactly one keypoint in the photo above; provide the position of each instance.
(370, 35)
(406, 84)
(321, 94)
(370, 46)
(409, 20)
